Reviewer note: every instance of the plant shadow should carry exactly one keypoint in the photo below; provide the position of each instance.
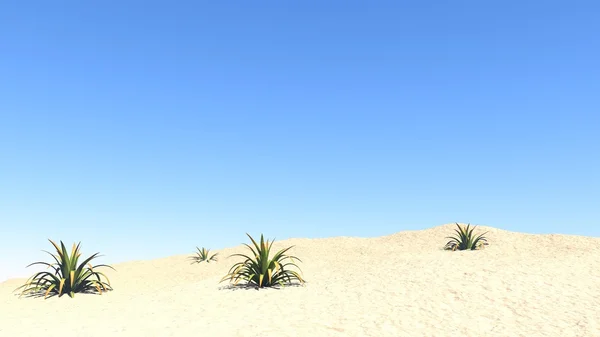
(235, 287)
(42, 294)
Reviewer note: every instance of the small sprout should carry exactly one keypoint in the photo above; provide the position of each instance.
(465, 239)
(203, 255)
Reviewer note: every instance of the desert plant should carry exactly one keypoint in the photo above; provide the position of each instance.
(68, 276)
(465, 240)
(203, 255)
(262, 271)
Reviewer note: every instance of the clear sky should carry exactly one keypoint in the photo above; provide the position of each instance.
(144, 129)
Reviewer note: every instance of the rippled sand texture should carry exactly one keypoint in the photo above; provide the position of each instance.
(399, 285)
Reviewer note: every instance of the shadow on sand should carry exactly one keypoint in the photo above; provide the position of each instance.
(42, 294)
(233, 287)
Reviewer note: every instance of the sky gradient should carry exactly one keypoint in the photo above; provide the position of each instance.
(144, 129)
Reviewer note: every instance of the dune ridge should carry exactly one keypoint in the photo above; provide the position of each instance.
(402, 284)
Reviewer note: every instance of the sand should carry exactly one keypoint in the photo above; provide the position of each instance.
(398, 285)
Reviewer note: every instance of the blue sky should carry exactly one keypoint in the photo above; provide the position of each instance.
(144, 129)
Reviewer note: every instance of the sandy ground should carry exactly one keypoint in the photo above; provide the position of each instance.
(398, 285)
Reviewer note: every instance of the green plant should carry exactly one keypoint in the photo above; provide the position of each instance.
(203, 255)
(465, 239)
(68, 276)
(262, 271)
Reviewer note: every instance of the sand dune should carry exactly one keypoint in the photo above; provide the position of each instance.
(398, 285)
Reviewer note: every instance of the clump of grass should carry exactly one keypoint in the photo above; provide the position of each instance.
(203, 255)
(68, 277)
(465, 240)
(262, 271)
